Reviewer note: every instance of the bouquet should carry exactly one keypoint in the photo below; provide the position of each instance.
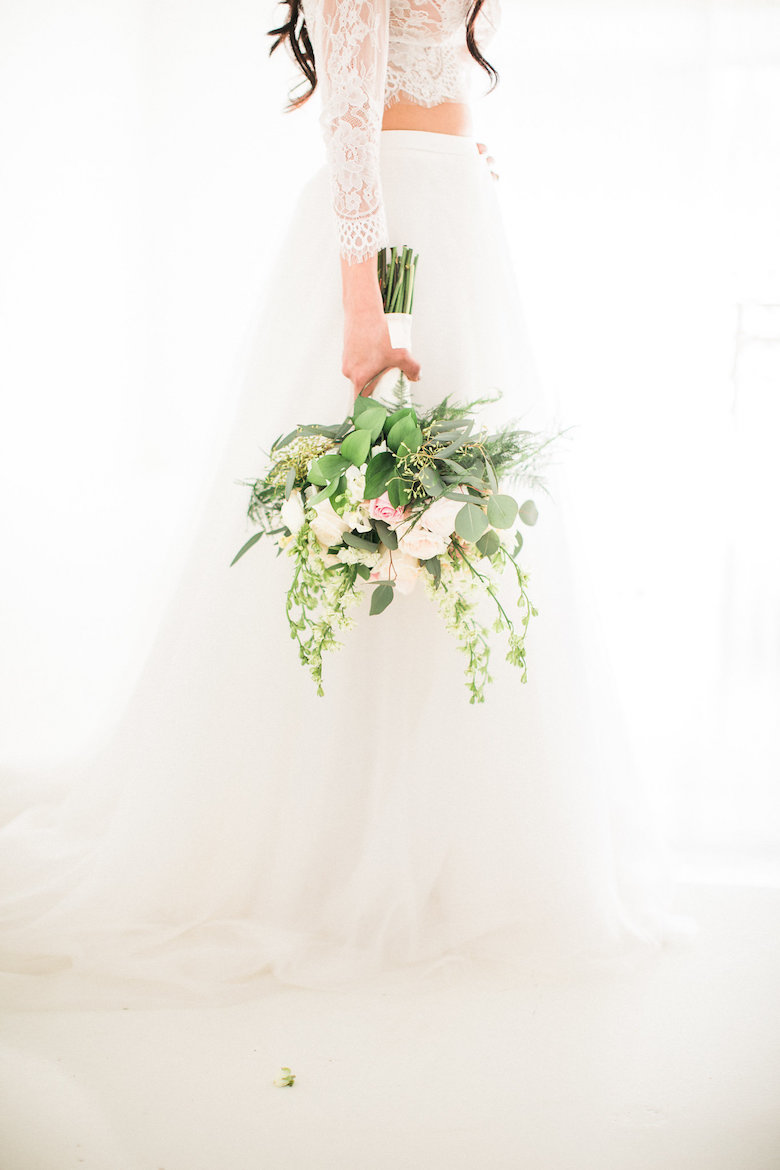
(395, 497)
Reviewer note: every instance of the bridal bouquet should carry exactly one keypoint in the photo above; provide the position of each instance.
(395, 497)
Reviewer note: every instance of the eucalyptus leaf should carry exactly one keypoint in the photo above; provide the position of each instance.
(382, 596)
(325, 494)
(529, 513)
(378, 473)
(363, 571)
(489, 544)
(451, 448)
(433, 566)
(491, 475)
(355, 541)
(431, 481)
(388, 537)
(289, 483)
(470, 523)
(245, 547)
(356, 446)
(280, 443)
(501, 511)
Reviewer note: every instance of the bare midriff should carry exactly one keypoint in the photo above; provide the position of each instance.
(446, 118)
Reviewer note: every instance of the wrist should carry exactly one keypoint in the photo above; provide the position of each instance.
(360, 291)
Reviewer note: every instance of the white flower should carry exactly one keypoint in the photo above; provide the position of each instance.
(397, 566)
(357, 556)
(327, 525)
(419, 541)
(292, 512)
(357, 518)
(356, 485)
(285, 1078)
(440, 516)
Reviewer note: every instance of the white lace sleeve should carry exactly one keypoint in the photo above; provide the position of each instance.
(349, 38)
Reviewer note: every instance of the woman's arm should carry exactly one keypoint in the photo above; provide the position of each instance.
(350, 50)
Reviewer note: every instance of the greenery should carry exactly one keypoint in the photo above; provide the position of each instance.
(412, 458)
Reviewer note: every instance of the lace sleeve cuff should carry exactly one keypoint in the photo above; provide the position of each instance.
(362, 237)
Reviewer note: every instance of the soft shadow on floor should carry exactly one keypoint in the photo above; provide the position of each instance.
(676, 1066)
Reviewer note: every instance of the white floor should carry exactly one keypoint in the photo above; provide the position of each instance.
(675, 1068)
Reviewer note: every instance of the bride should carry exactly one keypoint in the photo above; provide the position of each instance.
(236, 828)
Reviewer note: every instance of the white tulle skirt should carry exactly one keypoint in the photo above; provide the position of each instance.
(235, 829)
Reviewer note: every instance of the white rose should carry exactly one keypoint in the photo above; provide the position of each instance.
(440, 516)
(327, 525)
(397, 566)
(420, 542)
(292, 513)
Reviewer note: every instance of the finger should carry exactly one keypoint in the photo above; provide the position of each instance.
(404, 361)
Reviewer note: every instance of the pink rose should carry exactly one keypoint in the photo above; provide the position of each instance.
(382, 509)
(399, 567)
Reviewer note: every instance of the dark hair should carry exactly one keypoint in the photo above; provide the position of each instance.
(295, 33)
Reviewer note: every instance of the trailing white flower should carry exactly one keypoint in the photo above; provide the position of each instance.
(285, 1078)
(357, 556)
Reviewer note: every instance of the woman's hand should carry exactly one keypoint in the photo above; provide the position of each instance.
(367, 348)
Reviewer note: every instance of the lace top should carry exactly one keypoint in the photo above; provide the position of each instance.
(369, 54)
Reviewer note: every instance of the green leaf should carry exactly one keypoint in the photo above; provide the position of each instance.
(491, 474)
(289, 483)
(489, 544)
(451, 448)
(356, 446)
(378, 473)
(470, 523)
(371, 418)
(363, 571)
(362, 403)
(386, 535)
(398, 492)
(501, 511)
(518, 543)
(355, 541)
(529, 513)
(431, 481)
(339, 497)
(433, 566)
(245, 547)
(382, 596)
(405, 431)
(403, 412)
(326, 468)
(325, 494)
(464, 477)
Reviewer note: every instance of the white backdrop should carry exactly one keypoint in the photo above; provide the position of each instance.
(144, 152)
